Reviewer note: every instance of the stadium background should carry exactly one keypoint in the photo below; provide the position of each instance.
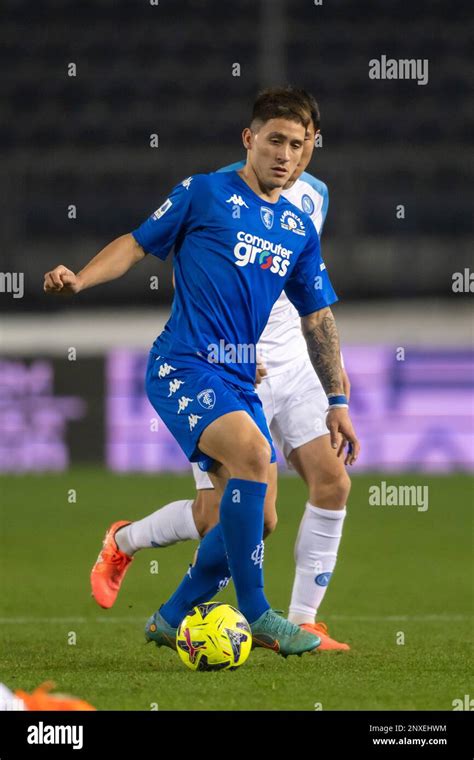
(78, 170)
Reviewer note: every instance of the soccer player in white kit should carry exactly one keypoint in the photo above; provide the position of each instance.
(295, 406)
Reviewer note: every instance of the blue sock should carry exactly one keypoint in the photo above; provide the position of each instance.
(241, 518)
(202, 581)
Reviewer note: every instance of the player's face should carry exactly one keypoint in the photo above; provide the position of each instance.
(307, 153)
(275, 150)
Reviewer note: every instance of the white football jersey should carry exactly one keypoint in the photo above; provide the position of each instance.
(282, 340)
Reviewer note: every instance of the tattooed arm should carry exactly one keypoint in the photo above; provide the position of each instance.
(322, 339)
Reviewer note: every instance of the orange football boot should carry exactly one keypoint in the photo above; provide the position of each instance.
(110, 568)
(40, 699)
(327, 643)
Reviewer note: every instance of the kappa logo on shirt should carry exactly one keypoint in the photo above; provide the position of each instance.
(236, 200)
(290, 221)
(186, 182)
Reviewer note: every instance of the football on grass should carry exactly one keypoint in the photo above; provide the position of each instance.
(214, 636)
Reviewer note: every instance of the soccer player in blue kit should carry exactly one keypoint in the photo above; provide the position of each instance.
(237, 244)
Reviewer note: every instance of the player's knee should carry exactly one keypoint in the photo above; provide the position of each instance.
(330, 490)
(342, 487)
(256, 459)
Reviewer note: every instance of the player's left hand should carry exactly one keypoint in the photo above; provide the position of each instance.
(342, 433)
(261, 372)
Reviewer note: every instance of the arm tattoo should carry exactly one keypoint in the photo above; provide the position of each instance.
(322, 340)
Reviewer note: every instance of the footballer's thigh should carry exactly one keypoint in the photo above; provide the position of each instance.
(225, 424)
(235, 440)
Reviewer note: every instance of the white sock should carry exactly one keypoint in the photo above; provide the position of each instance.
(315, 556)
(168, 525)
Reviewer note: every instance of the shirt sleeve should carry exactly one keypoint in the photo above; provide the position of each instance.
(325, 206)
(157, 235)
(308, 286)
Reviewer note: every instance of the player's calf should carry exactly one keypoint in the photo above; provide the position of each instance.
(206, 510)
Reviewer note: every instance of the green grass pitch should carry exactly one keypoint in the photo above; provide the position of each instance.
(402, 575)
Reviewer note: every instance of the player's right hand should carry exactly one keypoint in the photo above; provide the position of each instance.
(342, 433)
(61, 281)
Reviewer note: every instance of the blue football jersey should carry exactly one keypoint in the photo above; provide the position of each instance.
(307, 193)
(234, 254)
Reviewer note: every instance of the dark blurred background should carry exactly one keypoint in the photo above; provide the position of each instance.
(167, 69)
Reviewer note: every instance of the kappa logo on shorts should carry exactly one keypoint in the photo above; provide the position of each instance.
(207, 398)
(165, 369)
(193, 420)
(183, 403)
(175, 385)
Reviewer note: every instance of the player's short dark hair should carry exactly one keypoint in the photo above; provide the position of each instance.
(285, 103)
(313, 107)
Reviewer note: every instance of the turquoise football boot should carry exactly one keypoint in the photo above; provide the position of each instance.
(159, 631)
(271, 631)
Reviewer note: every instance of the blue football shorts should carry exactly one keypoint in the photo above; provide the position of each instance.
(188, 398)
